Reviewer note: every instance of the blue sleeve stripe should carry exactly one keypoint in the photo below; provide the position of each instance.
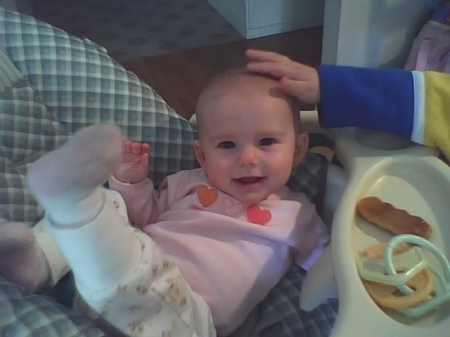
(419, 107)
(374, 99)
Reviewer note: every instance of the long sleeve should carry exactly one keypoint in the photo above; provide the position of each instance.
(144, 204)
(314, 241)
(410, 104)
(310, 236)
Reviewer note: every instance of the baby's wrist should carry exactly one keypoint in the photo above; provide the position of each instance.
(127, 181)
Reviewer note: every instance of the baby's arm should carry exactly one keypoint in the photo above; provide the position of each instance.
(312, 243)
(144, 204)
(312, 236)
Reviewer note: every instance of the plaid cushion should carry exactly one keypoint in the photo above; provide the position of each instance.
(310, 178)
(282, 309)
(73, 83)
(81, 85)
(27, 131)
(23, 314)
(8, 72)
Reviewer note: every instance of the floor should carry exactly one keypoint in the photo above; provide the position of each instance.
(175, 46)
(132, 29)
(180, 77)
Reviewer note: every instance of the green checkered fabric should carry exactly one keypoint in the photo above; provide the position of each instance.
(280, 314)
(27, 131)
(310, 178)
(71, 83)
(80, 84)
(8, 72)
(29, 315)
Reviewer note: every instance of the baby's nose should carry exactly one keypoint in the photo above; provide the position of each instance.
(248, 157)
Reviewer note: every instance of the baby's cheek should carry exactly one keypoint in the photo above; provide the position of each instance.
(216, 163)
(216, 174)
(282, 162)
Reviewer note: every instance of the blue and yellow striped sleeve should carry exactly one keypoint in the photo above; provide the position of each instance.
(413, 105)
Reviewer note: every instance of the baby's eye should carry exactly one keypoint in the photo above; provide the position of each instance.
(227, 145)
(267, 141)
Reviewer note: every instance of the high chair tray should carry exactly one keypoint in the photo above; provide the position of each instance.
(421, 186)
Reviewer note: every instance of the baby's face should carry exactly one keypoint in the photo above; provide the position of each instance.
(248, 145)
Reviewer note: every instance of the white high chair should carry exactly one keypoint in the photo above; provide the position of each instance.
(400, 172)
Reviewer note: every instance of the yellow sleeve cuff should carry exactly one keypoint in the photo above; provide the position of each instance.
(437, 111)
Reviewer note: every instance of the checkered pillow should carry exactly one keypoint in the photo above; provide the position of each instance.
(310, 178)
(71, 83)
(80, 84)
(27, 131)
(23, 314)
(280, 314)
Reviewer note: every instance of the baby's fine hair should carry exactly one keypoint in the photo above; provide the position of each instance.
(229, 79)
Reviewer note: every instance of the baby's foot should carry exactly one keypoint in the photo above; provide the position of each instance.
(71, 175)
(22, 260)
(84, 162)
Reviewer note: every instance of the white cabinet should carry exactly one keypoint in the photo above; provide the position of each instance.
(257, 18)
(370, 33)
(367, 33)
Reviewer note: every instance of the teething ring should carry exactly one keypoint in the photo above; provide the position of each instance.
(419, 241)
(385, 295)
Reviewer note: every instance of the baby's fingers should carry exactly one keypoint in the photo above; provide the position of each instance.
(145, 148)
(133, 151)
(143, 159)
(127, 146)
(135, 147)
(130, 158)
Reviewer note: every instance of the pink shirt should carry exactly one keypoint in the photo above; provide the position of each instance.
(231, 254)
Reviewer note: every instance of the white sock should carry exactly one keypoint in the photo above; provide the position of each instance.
(74, 208)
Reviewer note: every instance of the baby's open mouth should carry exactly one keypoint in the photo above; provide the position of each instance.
(247, 181)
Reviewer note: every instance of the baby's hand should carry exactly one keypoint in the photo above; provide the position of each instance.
(134, 166)
(296, 79)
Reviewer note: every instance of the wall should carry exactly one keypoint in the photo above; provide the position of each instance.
(370, 33)
(22, 6)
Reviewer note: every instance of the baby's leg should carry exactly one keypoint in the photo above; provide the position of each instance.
(22, 261)
(31, 257)
(118, 270)
(57, 266)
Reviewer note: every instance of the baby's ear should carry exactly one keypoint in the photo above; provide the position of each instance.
(199, 153)
(301, 147)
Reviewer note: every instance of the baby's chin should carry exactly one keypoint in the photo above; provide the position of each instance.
(250, 199)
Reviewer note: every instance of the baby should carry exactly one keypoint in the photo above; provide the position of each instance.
(210, 243)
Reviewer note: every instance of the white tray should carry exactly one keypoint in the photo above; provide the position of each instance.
(408, 176)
